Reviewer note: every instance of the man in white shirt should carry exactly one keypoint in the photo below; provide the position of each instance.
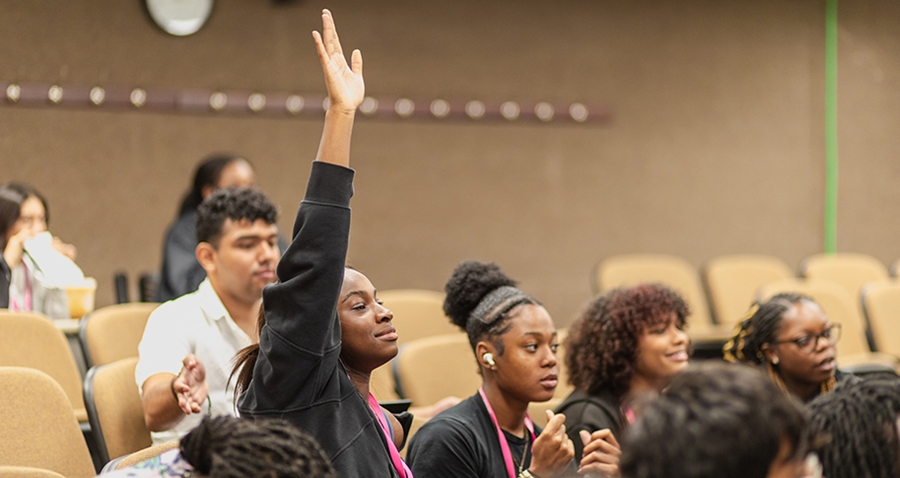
(189, 344)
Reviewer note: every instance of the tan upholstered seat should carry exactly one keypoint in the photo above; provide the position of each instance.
(563, 389)
(27, 472)
(31, 340)
(672, 271)
(112, 333)
(732, 282)
(37, 428)
(418, 313)
(853, 348)
(433, 368)
(881, 304)
(115, 410)
(849, 270)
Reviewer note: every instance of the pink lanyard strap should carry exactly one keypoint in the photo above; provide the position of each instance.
(399, 464)
(26, 301)
(504, 445)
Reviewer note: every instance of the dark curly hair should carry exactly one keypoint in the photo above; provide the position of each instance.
(858, 424)
(227, 447)
(715, 420)
(235, 204)
(602, 344)
(470, 282)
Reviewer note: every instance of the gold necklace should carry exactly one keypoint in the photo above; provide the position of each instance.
(524, 451)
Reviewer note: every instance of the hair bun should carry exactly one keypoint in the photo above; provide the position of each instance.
(469, 283)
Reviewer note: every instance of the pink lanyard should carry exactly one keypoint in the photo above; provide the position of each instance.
(26, 301)
(504, 445)
(399, 464)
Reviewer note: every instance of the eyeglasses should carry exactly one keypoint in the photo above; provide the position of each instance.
(809, 343)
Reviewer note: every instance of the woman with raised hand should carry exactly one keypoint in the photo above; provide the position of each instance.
(790, 336)
(626, 344)
(325, 329)
(490, 434)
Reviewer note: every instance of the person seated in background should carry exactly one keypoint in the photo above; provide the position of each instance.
(857, 429)
(189, 343)
(23, 216)
(626, 343)
(490, 433)
(790, 336)
(181, 272)
(229, 447)
(718, 420)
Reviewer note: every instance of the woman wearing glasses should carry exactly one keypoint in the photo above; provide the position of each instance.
(791, 337)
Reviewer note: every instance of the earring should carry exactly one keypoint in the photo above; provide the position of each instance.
(488, 359)
(775, 361)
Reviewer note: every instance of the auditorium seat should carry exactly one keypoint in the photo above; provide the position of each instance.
(115, 411)
(732, 281)
(113, 332)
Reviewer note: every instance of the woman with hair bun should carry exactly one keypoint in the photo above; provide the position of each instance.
(627, 343)
(790, 336)
(490, 434)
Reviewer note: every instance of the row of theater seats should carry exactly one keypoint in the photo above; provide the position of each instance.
(855, 290)
(435, 359)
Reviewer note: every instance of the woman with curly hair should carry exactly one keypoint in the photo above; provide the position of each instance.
(790, 336)
(490, 434)
(627, 342)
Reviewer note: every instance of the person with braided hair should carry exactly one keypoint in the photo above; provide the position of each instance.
(790, 336)
(627, 343)
(858, 424)
(229, 447)
(490, 434)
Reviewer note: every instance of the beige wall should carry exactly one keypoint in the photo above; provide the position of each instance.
(717, 145)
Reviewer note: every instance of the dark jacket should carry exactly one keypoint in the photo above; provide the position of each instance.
(298, 375)
(4, 283)
(591, 413)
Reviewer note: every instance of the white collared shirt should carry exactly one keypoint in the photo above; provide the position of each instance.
(195, 323)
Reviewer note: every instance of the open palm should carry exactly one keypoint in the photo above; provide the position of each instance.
(346, 88)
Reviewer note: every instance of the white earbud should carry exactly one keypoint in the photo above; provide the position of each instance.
(488, 359)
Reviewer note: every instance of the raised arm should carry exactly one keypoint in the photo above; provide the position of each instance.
(346, 91)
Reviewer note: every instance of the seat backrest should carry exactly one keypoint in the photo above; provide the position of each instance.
(37, 427)
(837, 305)
(418, 313)
(113, 332)
(433, 368)
(672, 271)
(849, 270)
(563, 389)
(382, 383)
(32, 340)
(881, 304)
(114, 409)
(27, 472)
(732, 282)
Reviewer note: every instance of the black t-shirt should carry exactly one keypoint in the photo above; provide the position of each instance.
(462, 442)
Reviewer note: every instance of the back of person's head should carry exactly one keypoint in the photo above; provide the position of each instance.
(207, 178)
(226, 447)
(717, 421)
(481, 299)
(857, 427)
(233, 203)
(602, 344)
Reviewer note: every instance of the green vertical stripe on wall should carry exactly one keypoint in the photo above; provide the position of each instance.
(831, 144)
